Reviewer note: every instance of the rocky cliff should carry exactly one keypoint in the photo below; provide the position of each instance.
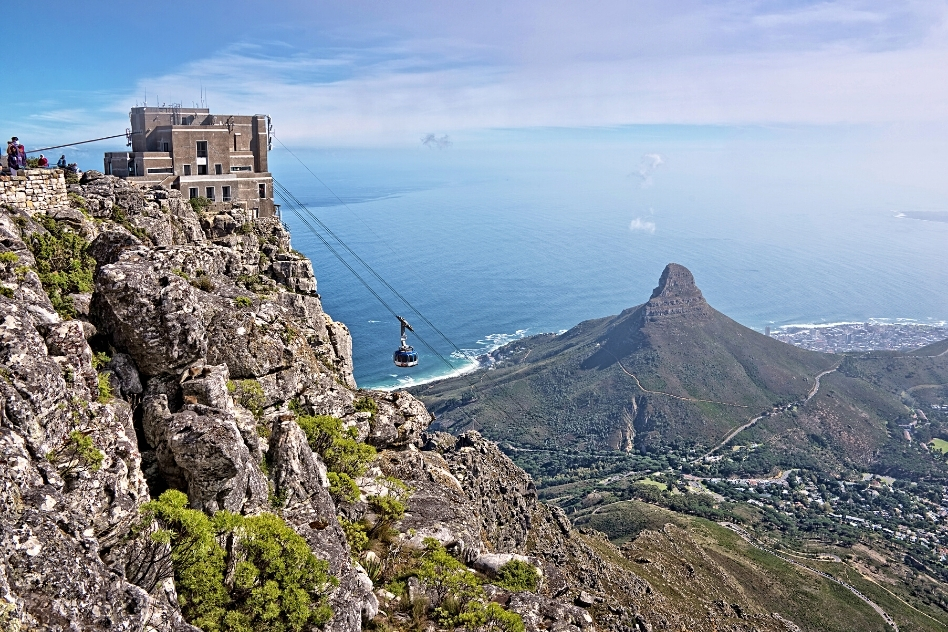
(152, 347)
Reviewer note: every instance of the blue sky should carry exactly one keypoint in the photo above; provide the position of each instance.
(386, 73)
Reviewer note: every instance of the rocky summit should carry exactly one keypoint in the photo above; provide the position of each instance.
(184, 447)
(676, 296)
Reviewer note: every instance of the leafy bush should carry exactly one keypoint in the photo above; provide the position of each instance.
(78, 451)
(199, 204)
(445, 575)
(248, 394)
(273, 581)
(100, 359)
(338, 447)
(77, 200)
(243, 301)
(366, 405)
(489, 616)
(105, 388)
(517, 575)
(356, 535)
(343, 488)
(8, 257)
(63, 264)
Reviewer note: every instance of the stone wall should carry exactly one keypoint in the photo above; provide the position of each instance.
(34, 189)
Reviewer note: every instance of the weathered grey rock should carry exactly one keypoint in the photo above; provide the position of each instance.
(201, 450)
(157, 318)
(299, 477)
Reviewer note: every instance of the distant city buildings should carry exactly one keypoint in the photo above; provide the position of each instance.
(220, 157)
(871, 336)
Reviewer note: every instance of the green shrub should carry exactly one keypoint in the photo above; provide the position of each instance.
(8, 292)
(77, 452)
(63, 265)
(388, 508)
(366, 405)
(105, 388)
(118, 214)
(442, 573)
(274, 582)
(489, 616)
(248, 394)
(243, 301)
(9, 257)
(356, 534)
(517, 575)
(338, 447)
(199, 204)
(77, 200)
(100, 359)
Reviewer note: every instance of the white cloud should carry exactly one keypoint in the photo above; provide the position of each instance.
(645, 226)
(565, 67)
(648, 164)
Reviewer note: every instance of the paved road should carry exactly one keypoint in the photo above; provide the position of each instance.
(750, 540)
(775, 410)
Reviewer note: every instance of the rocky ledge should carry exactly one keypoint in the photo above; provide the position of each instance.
(179, 419)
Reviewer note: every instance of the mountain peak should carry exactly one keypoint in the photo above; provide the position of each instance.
(676, 295)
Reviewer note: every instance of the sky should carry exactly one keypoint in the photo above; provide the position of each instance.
(381, 73)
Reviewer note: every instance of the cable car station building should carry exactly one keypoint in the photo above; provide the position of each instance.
(220, 157)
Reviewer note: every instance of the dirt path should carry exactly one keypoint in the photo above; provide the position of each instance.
(750, 540)
(684, 399)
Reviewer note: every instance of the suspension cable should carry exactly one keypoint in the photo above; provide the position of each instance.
(304, 215)
(395, 292)
(81, 142)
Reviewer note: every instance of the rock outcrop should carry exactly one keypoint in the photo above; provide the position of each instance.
(676, 296)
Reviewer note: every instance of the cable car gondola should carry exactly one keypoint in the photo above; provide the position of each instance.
(405, 356)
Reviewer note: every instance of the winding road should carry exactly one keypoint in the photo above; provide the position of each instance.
(775, 410)
(750, 540)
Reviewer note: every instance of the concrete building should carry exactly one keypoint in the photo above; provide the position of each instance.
(220, 157)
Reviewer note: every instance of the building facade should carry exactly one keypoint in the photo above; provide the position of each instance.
(220, 157)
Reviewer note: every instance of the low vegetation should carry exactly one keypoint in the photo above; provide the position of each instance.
(63, 264)
(266, 578)
(345, 456)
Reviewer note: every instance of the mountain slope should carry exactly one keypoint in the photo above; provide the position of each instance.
(670, 371)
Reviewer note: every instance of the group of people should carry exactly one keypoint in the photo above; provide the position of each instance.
(16, 157)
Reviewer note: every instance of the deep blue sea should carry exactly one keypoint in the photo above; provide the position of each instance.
(513, 233)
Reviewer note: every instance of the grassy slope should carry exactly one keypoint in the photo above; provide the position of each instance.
(571, 389)
(746, 573)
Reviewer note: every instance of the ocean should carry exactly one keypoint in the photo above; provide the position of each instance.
(509, 233)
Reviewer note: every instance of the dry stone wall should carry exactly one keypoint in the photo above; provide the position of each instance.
(34, 189)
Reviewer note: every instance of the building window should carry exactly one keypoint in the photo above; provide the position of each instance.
(164, 146)
(235, 142)
(202, 170)
(193, 192)
(241, 168)
(225, 194)
(160, 170)
(187, 170)
(108, 168)
(218, 169)
(263, 191)
(202, 149)
(209, 193)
